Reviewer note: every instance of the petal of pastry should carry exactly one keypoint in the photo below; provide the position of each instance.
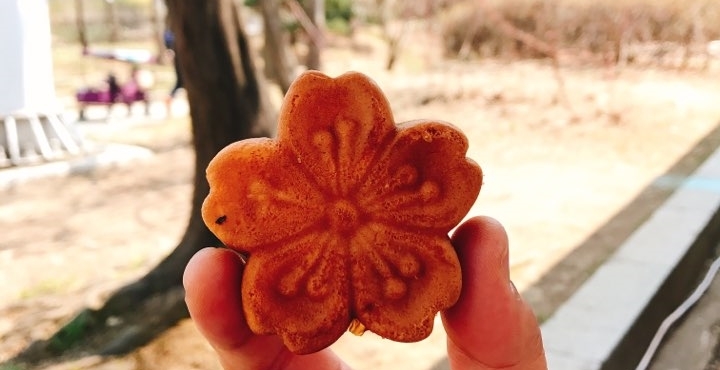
(401, 280)
(258, 196)
(425, 180)
(335, 126)
(299, 291)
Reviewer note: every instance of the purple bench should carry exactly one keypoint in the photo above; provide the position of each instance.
(114, 93)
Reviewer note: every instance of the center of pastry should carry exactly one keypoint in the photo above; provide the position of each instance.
(343, 216)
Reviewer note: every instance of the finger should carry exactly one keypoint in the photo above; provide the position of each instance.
(490, 326)
(212, 292)
(212, 283)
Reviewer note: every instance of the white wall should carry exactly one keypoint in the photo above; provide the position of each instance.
(26, 76)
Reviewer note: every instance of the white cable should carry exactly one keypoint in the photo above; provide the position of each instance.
(678, 313)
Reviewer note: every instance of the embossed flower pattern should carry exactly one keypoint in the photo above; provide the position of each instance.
(344, 215)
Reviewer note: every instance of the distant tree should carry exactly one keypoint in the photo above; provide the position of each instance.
(308, 20)
(227, 103)
(278, 63)
(80, 23)
(111, 20)
(157, 19)
(315, 14)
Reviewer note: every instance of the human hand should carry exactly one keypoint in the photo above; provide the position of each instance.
(490, 327)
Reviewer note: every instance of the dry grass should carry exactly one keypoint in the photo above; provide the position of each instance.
(606, 30)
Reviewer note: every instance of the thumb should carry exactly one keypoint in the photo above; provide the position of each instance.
(490, 327)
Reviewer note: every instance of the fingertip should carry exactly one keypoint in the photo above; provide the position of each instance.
(210, 265)
(482, 246)
(212, 281)
(479, 226)
(486, 312)
(194, 267)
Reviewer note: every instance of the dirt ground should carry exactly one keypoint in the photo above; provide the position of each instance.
(557, 166)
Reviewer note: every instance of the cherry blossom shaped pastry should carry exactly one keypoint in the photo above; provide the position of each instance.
(344, 217)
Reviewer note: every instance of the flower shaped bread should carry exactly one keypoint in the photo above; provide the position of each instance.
(345, 216)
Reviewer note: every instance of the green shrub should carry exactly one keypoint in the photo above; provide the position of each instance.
(338, 26)
(338, 10)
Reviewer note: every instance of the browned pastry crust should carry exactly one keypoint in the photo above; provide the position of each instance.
(345, 216)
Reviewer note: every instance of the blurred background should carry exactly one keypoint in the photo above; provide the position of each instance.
(574, 108)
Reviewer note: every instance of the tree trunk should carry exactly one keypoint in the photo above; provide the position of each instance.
(111, 19)
(278, 66)
(158, 26)
(227, 103)
(315, 10)
(80, 23)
